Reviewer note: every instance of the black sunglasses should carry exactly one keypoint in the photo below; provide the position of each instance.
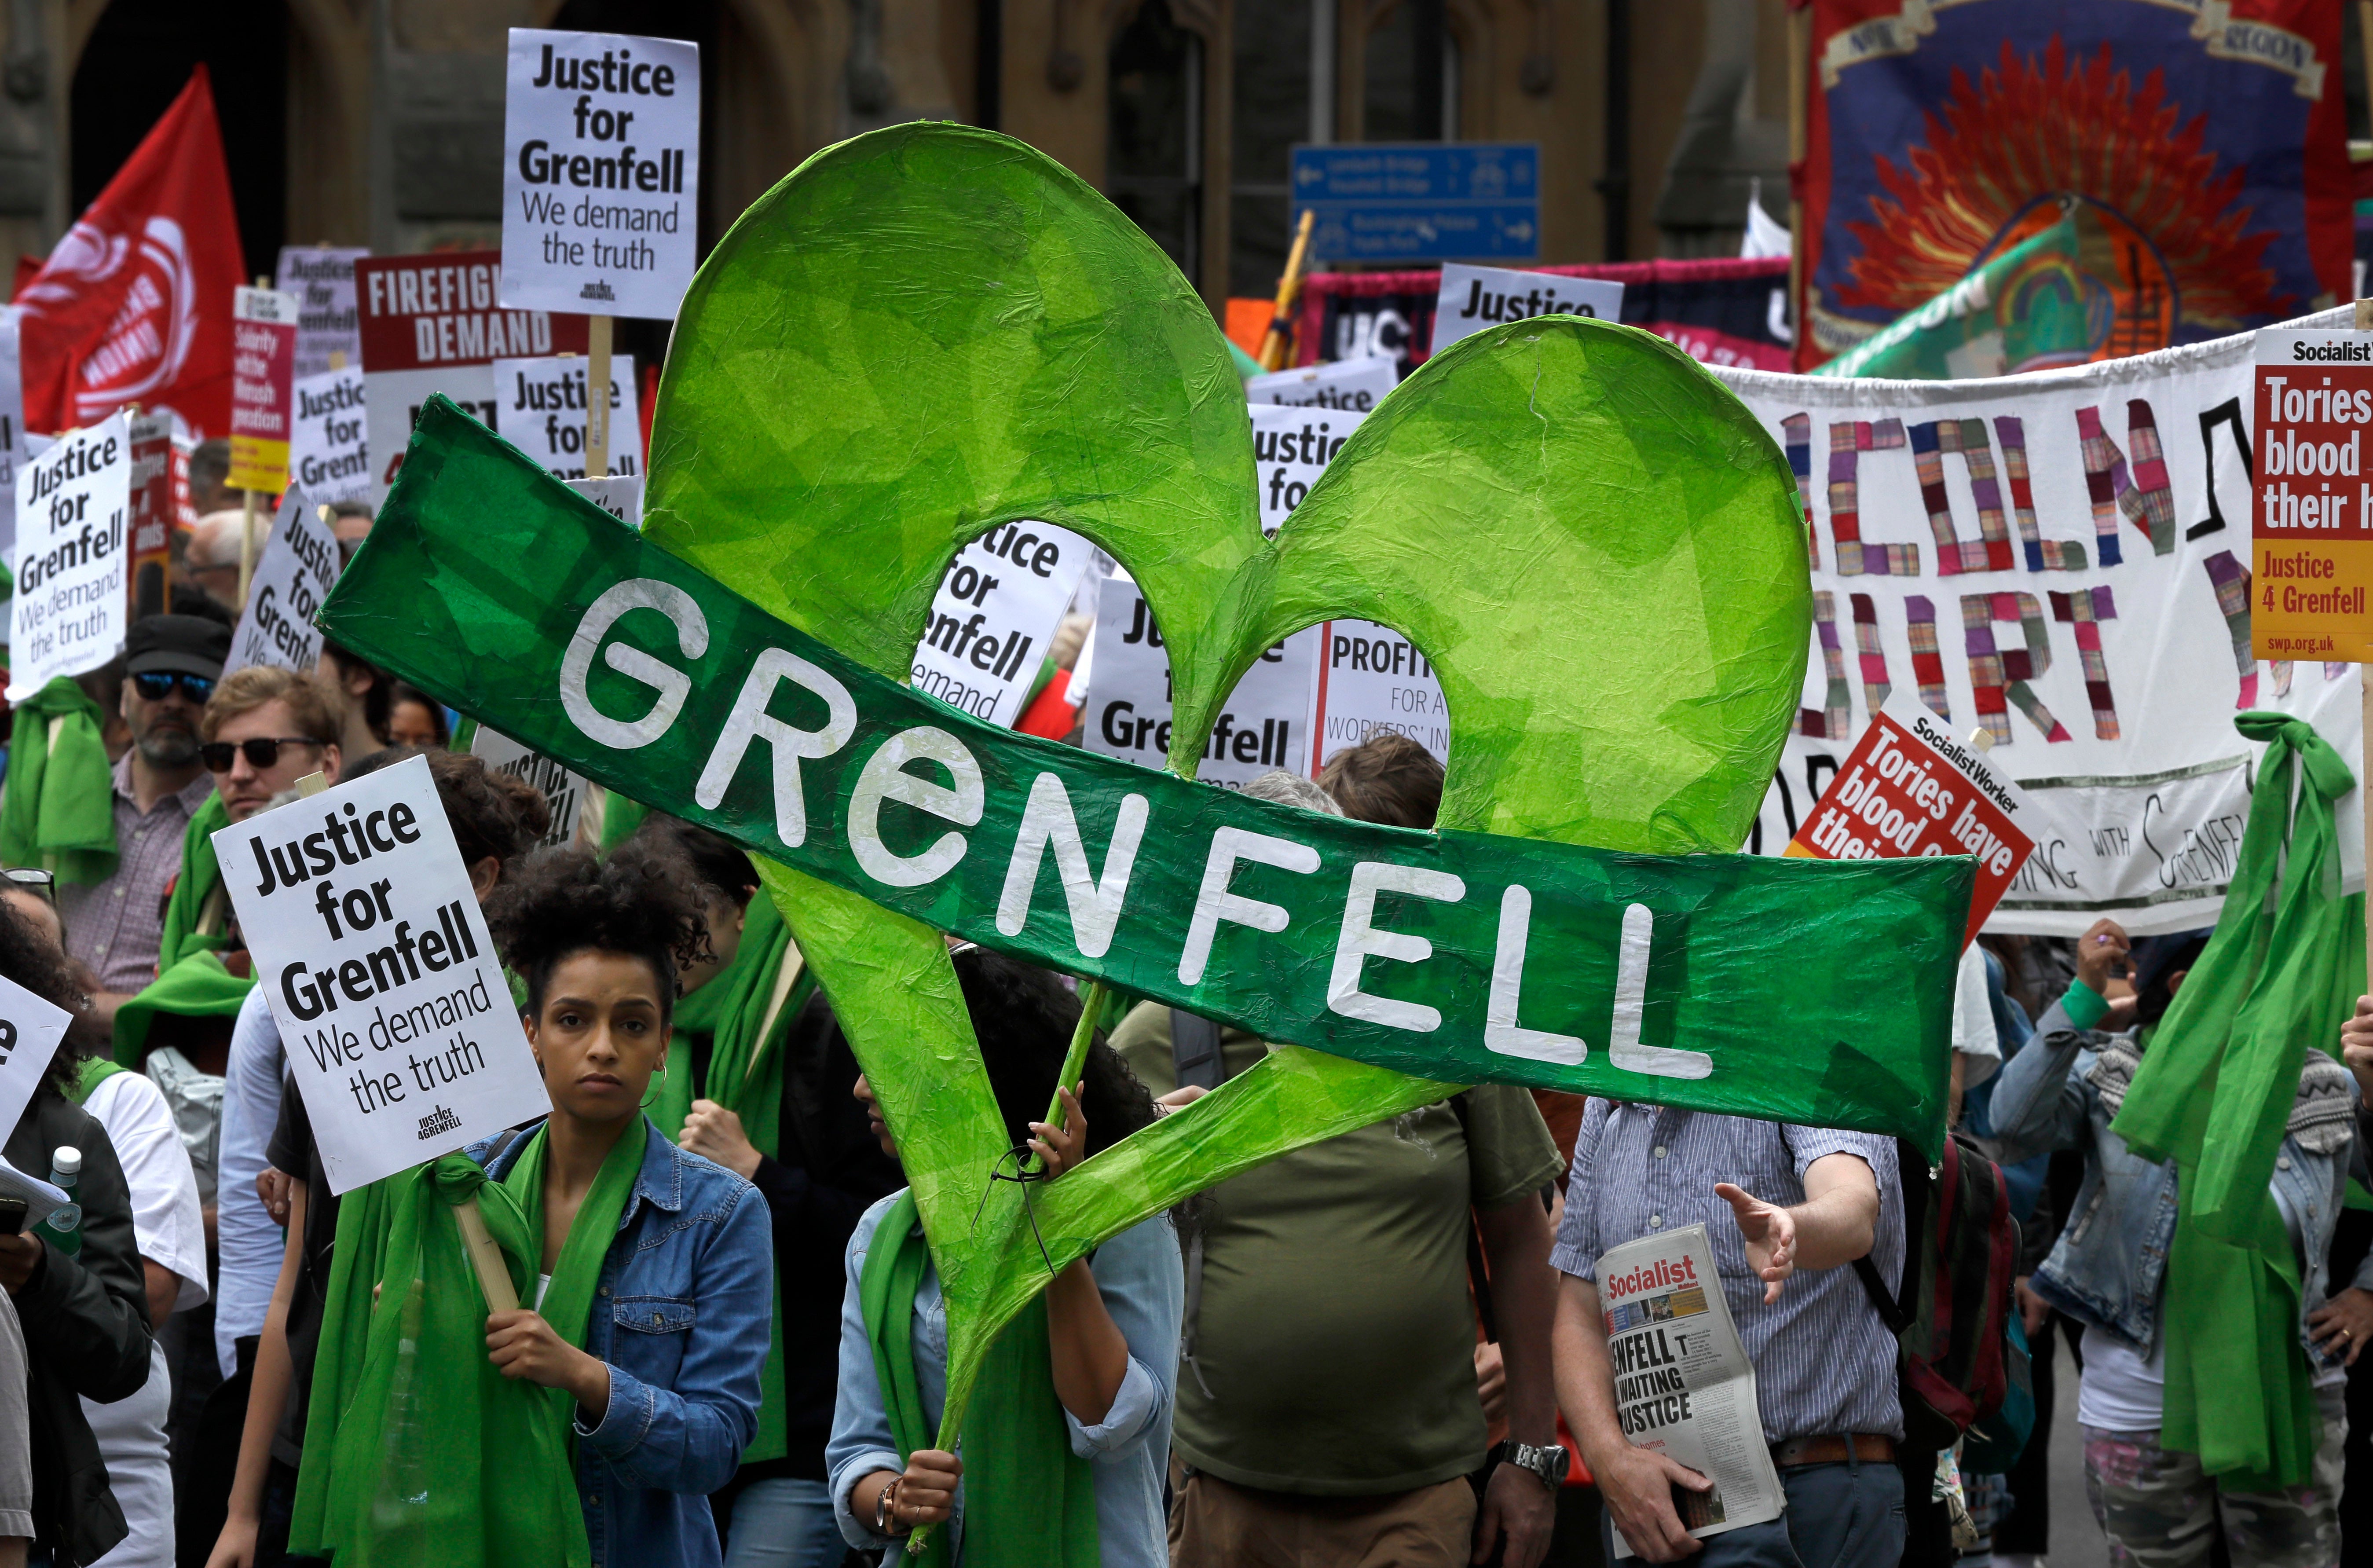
(34, 879)
(261, 753)
(156, 686)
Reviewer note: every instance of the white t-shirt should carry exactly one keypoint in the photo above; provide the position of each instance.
(1973, 1020)
(166, 1220)
(2120, 1390)
(171, 1232)
(248, 1244)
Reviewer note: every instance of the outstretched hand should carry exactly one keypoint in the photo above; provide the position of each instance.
(1771, 1236)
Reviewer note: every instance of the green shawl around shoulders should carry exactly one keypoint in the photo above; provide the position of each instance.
(1028, 1499)
(58, 808)
(418, 1452)
(200, 907)
(752, 1002)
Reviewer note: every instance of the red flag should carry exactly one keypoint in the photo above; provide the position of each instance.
(134, 305)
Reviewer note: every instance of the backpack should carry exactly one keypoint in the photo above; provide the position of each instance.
(1952, 1316)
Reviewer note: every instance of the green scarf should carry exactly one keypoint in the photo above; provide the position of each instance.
(190, 926)
(2214, 1094)
(418, 1452)
(94, 1071)
(745, 1076)
(198, 986)
(1028, 1499)
(60, 808)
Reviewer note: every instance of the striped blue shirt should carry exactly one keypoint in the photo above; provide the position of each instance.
(1824, 1363)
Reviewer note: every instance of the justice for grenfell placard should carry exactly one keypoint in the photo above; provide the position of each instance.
(378, 967)
(71, 604)
(601, 173)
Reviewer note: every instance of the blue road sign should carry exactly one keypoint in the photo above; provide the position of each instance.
(1421, 200)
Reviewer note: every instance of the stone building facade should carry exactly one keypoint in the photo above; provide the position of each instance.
(379, 121)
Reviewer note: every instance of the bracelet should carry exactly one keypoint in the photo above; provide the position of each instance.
(884, 1501)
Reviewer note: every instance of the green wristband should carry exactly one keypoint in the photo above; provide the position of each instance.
(2083, 1005)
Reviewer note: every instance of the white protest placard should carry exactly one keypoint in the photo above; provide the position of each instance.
(430, 324)
(30, 1032)
(1371, 678)
(13, 453)
(1364, 677)
(996, 612)
(292, 574)
(563, 791)
(1355, 384)
(323, 278)
(540, 408)
(1292, 447)
(328, 441)
(620, 494)
(1263, 726)
(377, 964)
(71, 606)
(601, 173)
(1474, 297)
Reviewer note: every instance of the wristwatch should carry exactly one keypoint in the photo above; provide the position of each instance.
(1548, 1464)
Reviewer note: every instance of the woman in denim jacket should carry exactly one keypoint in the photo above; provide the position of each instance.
(1112, 1317)
(2108, 1270)
(667, 1380)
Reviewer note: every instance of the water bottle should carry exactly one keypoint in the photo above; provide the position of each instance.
(63, 1229)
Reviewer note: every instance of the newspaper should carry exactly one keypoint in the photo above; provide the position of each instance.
(1683, 1385)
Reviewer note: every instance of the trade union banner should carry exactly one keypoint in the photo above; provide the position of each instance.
(2062, 561)
(2203, 142)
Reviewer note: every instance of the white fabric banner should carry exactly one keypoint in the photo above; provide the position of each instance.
(2061, 558)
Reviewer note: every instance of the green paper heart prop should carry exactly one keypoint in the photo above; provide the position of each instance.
(931, 330)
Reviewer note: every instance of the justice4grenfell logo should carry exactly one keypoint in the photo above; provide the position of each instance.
(378, 968)
(602, 164)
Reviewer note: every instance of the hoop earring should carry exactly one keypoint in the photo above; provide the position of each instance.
(648, 1093)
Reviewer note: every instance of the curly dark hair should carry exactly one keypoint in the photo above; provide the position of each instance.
(1024, 1018)
(493, 814)
(716, 864)
(559, 902)
(32, 961)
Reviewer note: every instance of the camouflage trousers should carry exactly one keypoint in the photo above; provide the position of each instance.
(2158, 1510)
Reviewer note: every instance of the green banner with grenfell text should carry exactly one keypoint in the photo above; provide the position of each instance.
(1458, 956)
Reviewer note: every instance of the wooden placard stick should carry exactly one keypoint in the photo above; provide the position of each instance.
(597, 397)
(1289, 284)
(2365, 742)
(494, 1274)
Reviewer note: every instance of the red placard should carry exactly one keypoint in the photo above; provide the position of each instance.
(154, 511)
(263, 368)
(425, 312)
(1910, 787)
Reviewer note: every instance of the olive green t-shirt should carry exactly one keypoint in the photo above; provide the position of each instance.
(1336, 1335)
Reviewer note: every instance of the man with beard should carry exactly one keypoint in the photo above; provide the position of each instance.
(171, 664)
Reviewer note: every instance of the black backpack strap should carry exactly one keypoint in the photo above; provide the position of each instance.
(1194, 1050)
(1901, 1307)
(1195, 1058)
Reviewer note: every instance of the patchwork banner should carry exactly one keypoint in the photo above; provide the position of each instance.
(2206, 138)
(2062, 559)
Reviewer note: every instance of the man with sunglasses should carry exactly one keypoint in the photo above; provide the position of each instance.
(171, 664)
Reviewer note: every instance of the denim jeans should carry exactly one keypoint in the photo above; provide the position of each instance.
(784, 1522)
(1843, 1516)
